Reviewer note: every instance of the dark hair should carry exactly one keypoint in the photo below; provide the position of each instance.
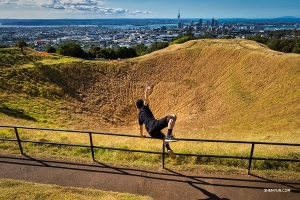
(139, 103)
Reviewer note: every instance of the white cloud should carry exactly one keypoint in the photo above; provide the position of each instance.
(94, 6)
(7, 2)
(142, 12)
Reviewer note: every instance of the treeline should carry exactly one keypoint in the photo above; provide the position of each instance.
(124, 52)
(287, 41)
(74, 49)
(287, 45)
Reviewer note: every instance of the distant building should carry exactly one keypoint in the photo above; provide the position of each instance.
(200, 22)
(43, 41)
(214, 22)
(163, 29)
(118, 36)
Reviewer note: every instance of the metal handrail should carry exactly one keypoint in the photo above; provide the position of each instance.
(250, 158)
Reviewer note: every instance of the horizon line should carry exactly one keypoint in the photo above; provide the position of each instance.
(282, 17)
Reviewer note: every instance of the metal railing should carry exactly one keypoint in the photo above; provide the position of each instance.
(250, 158)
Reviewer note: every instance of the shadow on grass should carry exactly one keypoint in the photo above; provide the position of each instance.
(16, 113)
(28, 57)
(66, 79)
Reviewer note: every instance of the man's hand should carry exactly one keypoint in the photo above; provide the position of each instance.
(143, 136)
(148, 85)
(141, 132)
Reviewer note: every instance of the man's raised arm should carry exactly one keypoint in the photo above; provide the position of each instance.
(148, 86)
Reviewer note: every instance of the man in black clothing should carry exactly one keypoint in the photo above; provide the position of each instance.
(154, 126)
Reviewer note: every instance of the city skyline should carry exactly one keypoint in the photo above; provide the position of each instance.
(92, 9)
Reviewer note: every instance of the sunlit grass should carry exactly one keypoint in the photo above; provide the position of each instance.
(153, 161)
(60, 60)
(219, 89)
(12, 189)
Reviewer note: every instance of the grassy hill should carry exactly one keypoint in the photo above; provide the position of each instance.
(212, 85)
(219, 89)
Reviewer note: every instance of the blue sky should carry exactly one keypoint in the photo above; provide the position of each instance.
(84, 9)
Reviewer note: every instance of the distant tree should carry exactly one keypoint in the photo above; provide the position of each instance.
(224, 37)
(121, 52)
(112, 54)
(287, 45)
(71, 48)
(181, 39)
(92, 52)
(157, 46)
(124, 52)
(51, 49)
(205, 36)
(3, 46)
(296, 48)
(21, 44)
(259, 39)
(103, 53)
(189, 32)
(274, 44)
(140, 49)
(132, 53)
(97, 52)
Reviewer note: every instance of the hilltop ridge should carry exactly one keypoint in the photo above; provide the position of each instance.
(212, 85)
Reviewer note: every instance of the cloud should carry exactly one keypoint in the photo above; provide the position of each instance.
(142, 12)
(95, 6)
(7, 2)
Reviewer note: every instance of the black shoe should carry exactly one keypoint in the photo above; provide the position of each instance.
(170, 138)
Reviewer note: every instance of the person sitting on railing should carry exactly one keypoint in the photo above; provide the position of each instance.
(154, 126)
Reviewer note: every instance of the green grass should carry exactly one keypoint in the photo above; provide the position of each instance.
(13, 58)
(34, 110)
(219, 89)
(11, 189)
(153, 161)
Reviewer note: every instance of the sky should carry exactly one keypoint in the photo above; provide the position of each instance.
(94, 9)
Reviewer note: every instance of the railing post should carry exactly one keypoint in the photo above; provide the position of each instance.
(92, 146)
(250, 159)
(163, 155)
(19, 141)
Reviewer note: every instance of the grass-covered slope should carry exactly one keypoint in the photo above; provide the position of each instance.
(214, 86)
(219, 89)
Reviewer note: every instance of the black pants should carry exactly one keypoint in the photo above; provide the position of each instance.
(155, 127)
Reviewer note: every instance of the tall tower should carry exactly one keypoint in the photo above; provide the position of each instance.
(178, 16)
(178, 22)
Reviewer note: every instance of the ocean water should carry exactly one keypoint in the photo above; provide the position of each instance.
(271, 27)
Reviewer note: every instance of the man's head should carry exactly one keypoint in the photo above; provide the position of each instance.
(139, 103)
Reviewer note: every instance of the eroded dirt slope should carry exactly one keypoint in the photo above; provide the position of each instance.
(210, 84)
